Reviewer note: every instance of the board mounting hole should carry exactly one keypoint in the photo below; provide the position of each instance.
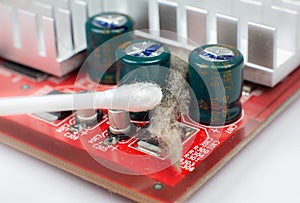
(158, 186)
(25, 87)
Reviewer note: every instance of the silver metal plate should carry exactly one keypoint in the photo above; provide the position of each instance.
(227, 30)
(139, 49)
(261, 45)
(139, 11)
(196, 24)
(168, 16)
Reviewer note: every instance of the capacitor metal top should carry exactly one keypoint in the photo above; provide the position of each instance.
(143, 53)
(104, 26)
(216, 75)
(113, 22)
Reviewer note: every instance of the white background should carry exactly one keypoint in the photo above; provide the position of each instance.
(267, 170)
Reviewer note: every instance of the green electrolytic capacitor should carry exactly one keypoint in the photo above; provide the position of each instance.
(138, 53)
(152, 56)
(216, 75)
(100, 29)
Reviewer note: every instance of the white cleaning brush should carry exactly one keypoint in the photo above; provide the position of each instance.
(135, 97)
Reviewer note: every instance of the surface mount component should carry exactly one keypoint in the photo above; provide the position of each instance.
(119, 122)
(54, 116)
(149, 148)
(27, 71)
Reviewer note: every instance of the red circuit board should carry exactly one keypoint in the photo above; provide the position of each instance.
(145, 177)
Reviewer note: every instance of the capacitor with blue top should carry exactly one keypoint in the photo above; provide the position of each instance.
(143, 60)
(216, 75)
(100, 29)
(143, 53)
